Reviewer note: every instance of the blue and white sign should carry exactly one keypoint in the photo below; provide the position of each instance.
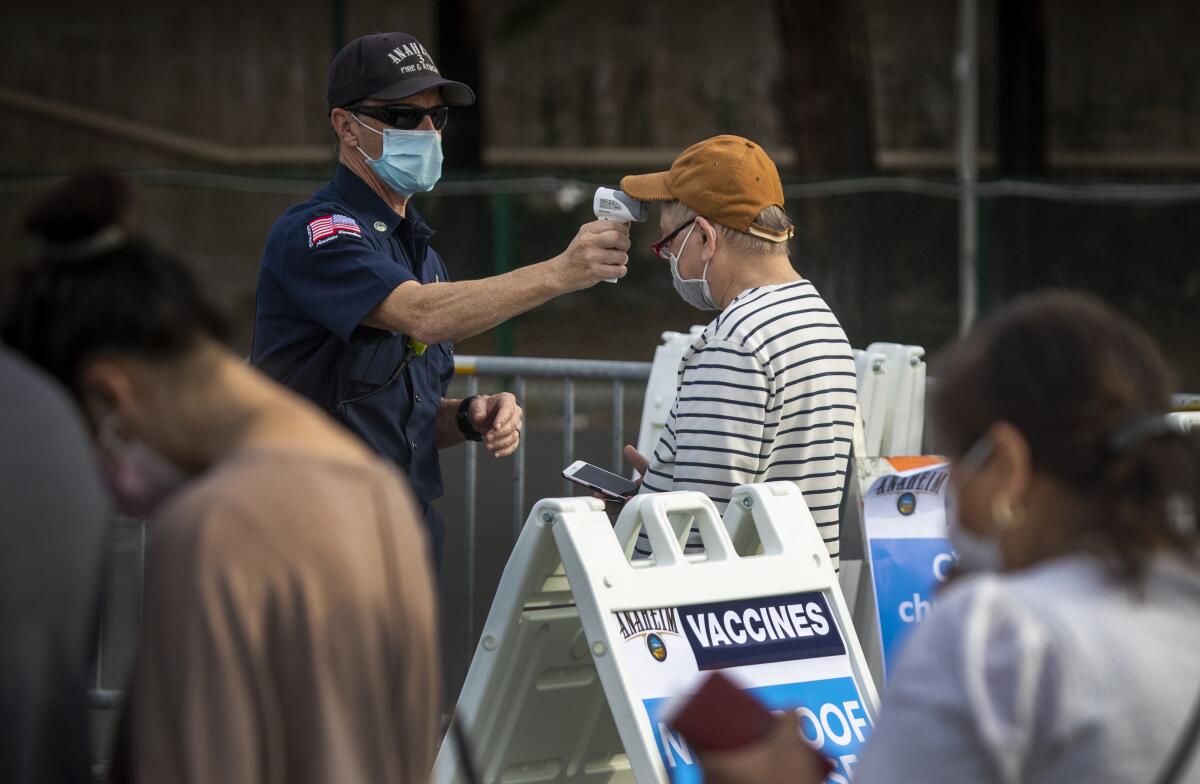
(904, 516)
(785, 650)
(832, 718)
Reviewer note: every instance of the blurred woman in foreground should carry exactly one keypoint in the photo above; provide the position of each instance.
(288, 627)
(1072, 653)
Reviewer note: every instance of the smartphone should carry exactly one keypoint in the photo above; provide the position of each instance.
(604, 482)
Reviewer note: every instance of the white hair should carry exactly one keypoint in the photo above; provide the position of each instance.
(772, 217)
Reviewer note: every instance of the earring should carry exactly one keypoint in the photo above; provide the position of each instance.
(1004, 513)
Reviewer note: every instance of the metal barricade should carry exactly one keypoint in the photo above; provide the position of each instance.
(519, 369)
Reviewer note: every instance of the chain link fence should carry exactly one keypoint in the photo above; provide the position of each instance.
(883, 251)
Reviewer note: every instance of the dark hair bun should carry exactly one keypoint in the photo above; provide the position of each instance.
(97, 287)
(80, 208)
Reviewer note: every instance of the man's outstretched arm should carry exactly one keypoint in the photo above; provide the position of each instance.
(439, 312)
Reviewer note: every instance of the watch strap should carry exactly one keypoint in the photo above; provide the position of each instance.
(464, 421)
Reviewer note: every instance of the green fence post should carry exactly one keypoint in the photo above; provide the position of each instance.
(983, 241)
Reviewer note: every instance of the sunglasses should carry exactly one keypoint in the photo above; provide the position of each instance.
(660, 247)
(406, 117)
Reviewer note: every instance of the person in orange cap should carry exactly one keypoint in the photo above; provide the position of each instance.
(767, 392)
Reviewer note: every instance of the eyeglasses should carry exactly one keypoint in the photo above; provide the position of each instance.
(405, 117)
(660, 247)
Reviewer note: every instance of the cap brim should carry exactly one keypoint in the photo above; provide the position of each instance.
(648, 187)
(453, 93)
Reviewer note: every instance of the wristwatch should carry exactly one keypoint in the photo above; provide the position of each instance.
(464, 422)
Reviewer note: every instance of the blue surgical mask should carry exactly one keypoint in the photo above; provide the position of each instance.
(975, 553)
(694, 291)
(411, 161)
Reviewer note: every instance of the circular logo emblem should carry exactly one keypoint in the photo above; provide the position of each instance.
(906, 504)
(380, 226)
(658, 648)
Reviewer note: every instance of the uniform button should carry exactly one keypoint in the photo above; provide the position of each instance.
(380, 226)
(416, 398)
(412, 444)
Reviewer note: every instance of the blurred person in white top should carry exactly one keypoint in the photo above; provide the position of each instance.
(1069, 650)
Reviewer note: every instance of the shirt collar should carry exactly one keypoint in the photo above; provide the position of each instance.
(372, 209)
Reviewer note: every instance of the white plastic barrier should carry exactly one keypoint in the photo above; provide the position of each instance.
(891, 393)
(858, 580)
(583, 648)
(1189, 419)
(904, 383)
(871, 371)
(890, 421)
(660, 389)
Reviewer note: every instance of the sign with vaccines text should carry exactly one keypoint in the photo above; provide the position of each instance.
(787, 651)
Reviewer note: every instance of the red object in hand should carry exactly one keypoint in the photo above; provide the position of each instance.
(721, 717)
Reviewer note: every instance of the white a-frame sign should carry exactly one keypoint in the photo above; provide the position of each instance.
(584, 646)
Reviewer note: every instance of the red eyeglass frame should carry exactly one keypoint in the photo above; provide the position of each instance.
(660, 245)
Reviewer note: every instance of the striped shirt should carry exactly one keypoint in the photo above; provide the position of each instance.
(766, 393)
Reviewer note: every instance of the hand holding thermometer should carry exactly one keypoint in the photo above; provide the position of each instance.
(613, 204)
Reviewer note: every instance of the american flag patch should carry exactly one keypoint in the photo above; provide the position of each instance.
(327, 228)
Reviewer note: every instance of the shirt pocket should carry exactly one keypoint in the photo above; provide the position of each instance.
(373, 364)
(443, 365)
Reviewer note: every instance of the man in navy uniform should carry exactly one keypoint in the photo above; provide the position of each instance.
(355, 310)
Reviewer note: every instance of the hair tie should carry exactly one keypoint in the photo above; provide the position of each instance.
(103, 241)
(1138, 430)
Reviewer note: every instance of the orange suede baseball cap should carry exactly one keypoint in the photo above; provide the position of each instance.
(727, 179)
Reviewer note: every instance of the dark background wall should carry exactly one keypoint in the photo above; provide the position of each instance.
(217, 110)
(1119, 77)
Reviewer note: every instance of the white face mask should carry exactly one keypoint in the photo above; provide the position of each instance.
(975, 553)
(138, 478)
(694, 292)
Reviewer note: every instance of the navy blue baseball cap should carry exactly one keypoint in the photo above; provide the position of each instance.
(387, 67)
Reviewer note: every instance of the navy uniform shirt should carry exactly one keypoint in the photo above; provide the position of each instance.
(328, 262)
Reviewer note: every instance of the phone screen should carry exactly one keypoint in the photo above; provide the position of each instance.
(592, 476)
